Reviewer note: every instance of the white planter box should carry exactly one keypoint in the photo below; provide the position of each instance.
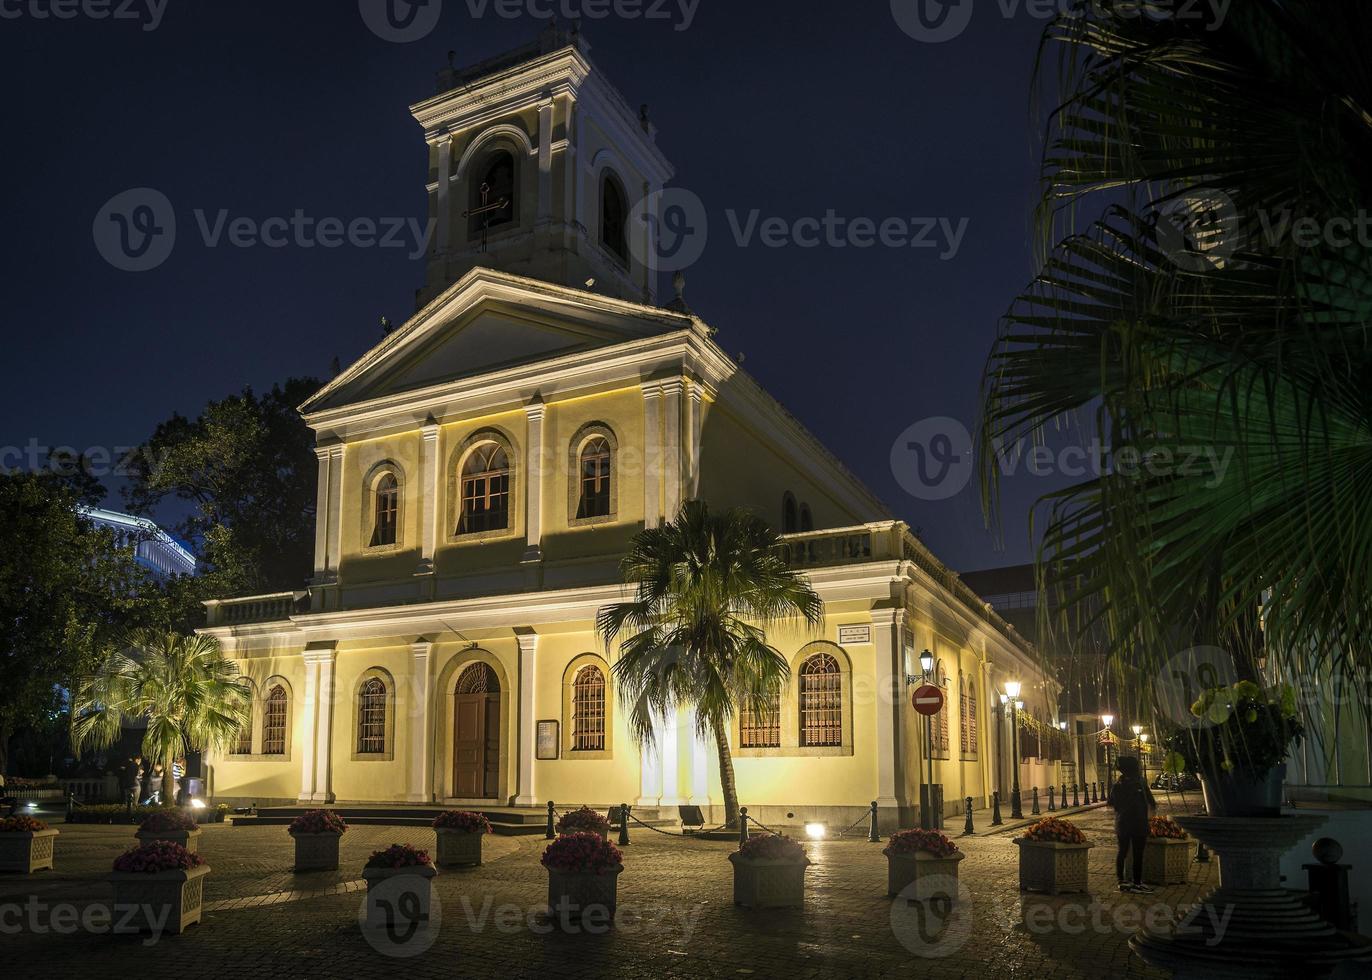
(386, 887)
(572, 893)
(1167, 860)
(170, 900)
(316, 852)
(768, 884)
(458, 848)
(927, 872)
(189, 839)
(1052, 867)
(28, 851)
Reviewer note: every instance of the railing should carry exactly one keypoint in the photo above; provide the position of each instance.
(253, 609)
(92, 789)
(889, 541)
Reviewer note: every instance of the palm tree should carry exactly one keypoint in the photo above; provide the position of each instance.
(187, 691)
(708, 585)
(1200, 325)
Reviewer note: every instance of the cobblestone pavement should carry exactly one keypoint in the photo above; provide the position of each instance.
(676, 916)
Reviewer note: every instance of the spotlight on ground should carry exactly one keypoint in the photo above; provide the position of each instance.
(197, 804)
(815, 831)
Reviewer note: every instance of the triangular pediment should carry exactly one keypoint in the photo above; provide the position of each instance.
(488, 322)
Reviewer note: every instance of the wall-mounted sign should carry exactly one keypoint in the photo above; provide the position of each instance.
(547, 743)
(848, 635)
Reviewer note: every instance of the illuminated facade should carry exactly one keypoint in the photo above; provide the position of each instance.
(483, 469)
(153, 548)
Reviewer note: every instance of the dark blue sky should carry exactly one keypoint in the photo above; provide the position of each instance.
(265, 108)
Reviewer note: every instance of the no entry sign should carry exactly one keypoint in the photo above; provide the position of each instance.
(927, 699)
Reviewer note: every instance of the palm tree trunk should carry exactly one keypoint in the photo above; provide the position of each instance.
(726, 776)
(168, 796)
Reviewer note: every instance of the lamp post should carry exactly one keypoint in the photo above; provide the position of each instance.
(1143, 755)
(927, 819)
(1012, 689)
(1108, 720)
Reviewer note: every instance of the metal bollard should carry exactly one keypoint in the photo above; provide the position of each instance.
(967, 827)
(1064, 796)
(1016, 804)
(71, 805)
(1051, 805)
(996, 821)
(872, 836)
(1095, 792)
(1076, 796)
(743, 825)
(1202, 853)
(1034, 810)
(551, 833)
(623, 824)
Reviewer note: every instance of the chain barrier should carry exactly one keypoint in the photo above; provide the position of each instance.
(866, 818)
(670, 833)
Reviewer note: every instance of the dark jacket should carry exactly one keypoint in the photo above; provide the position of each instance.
(130, 777)
(1132, 801)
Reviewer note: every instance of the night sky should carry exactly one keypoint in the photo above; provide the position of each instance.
(266, 108)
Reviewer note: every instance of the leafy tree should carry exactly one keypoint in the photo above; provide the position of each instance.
(708, 585)
(1211, 328)
(246, 466)
(189, 693)
(64, 590)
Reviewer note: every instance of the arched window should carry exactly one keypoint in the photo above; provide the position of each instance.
(807, 523)
(789, 523)
(760, 729)
(371, 717)
(614, 216)
(588, 710)
(964, 731)
(821, 701)
(941, 719)
(386, 511)
(595, 480)
(973, 732)
(492, 200)
(274, 722)
(243, 743)
(485, 490)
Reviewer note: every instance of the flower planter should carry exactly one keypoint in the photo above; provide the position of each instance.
(27, 851)
(571, 893)
(167, 901)
(1241, 794)
(189, 839)
(1167, 860)
(927, 872)
(459, 848)
(316, 852)
(398, 897)
(1051, 866)
(763, 884)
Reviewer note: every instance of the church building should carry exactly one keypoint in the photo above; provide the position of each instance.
(485, 467)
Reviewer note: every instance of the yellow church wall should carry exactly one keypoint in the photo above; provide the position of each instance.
(364, 464)
(258, 777)
(384, 777)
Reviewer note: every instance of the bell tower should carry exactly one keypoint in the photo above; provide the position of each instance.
(539, 167)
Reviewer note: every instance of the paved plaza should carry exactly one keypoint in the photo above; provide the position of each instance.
(676, 917)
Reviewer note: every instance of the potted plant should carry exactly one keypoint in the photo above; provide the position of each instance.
(172, 826)
(1052, 857)
(1238, 746)
(769, 872)
(399, 887)
(583, 872)
(584, 821)
(1167, 854)
(316, 835)
(160, 885)
(923, 858)
(26, 845)
(459, 837)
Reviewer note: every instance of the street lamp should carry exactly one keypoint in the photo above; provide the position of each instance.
(927, 818)
(1109, 769)
(1012, 689)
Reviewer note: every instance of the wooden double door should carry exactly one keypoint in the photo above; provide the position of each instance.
(476, 735)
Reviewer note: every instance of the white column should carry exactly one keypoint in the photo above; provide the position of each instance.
(669, 760)
(307, 729)
(429, 483)
(325, 697)
(693, 458)
(887, 640)
(528, 724)
(671, 469)
(335, 508)
(545, 159)
(652, 456)
(533, 482)
(700, 764)
(421, 724)
(321, 516)
(443, 206)
(649, 776)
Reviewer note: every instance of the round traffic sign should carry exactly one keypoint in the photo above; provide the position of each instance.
(928, 700)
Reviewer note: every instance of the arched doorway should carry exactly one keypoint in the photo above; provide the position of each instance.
(476, 734)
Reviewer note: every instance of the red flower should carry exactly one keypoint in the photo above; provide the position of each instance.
(581, 821)
(772, 847)
(933, 842)
(1165, 827)
(21, 825)
(399, 856)
(1054, 829)
(318, 822)
(582, 853)
(156, 857)
(167, 821)
(464, 820)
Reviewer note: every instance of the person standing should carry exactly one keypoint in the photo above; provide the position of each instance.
(178, 775)
(1133, 803)
(131, 780)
